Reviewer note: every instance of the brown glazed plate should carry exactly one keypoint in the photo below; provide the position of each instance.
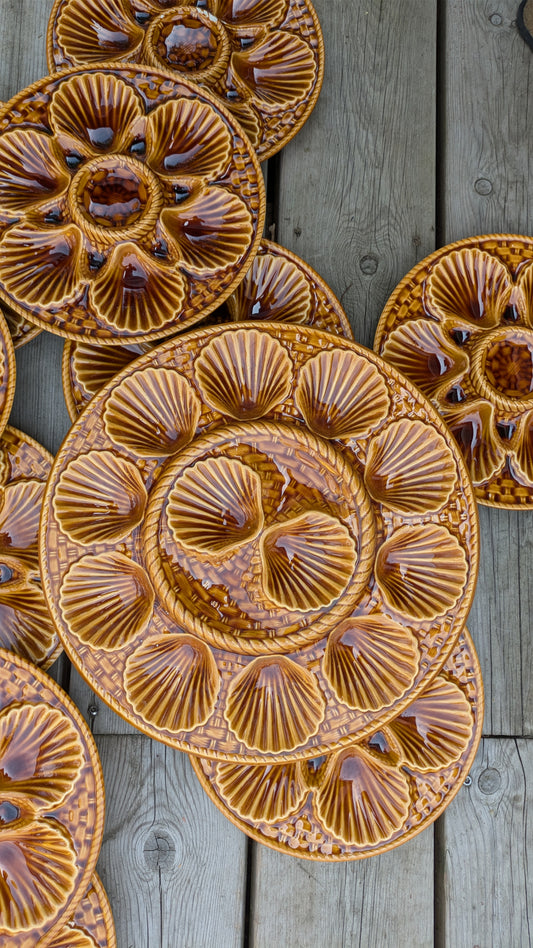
(25, 623)
(258, 540)
(460, 325)
(279, 286)
(370, 796)
(8, 372)
(51, 805)
(92, 925)
(264, 59)
(131, 204)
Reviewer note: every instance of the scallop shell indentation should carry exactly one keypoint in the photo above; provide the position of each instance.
(94, 366)
(362, 801)
(470, 285)
(307, 561)
(153, 412)
(94, 31)
(215, 506)
(187, 137)
(421, 350)
(20, 511)
(95, 112)
(30, 172)
(26, 626)
(70, 937)
(341, 394)
(40, 267)
(277, 71)
(100, 497)
(244, 373)
(274, 705)
(106, 600)
(172, 682)
(473, 427)
(40, 753)
(436, 728)
(409, 468)
(273, 289)
(370, 661)
(261, 792)
(421, 571)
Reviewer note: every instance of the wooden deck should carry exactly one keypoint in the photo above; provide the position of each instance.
(423, 134)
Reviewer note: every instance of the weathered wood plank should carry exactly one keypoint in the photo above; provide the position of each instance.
(485, 896)
(484, 186)
(357, 184)
(384, 901)
(173, 866)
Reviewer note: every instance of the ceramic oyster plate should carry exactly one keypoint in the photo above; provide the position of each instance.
(258, 541)
(25, 623)
(7, 372)
(51, 805)
(20, 330)
(264, 59)
(92, 923)
(460, 325)
(278, 286)
(130, 204)
(370, 796)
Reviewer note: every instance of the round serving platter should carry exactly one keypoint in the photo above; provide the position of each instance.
(278, 286)
(371, 796)
(51, 805)
(25, 623)
(91, 925)
(263, 60)
(148, 207)
(258, 511)
(460, 325)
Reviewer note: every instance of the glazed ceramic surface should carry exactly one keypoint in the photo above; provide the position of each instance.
(92, 923)
(368, 797)
(263, 60)
(460, 325)
(51, 805)
(25, 623)
(20, 329)
(278, 286)
(7, 372)
(258, 540)
(130, 205)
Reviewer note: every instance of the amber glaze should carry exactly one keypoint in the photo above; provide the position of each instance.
(7, 372)
(92, 924)
(460, 325)
(336, 559)
(372, 796)
(130, 204)
(25, 623)
(51, 805)
(263, 60)
(278, 286)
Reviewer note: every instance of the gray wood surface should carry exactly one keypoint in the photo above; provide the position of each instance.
(421, 135)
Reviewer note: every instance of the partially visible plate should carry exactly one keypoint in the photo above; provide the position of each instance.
(264, 60)
(91, 925)
(371, 796)
(278, 286)
(51, 805)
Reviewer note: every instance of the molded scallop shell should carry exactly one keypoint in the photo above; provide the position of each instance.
(341, 395)
(94, 31)
(265, 792)
(252, 12)
(186, 137)
(38, 874)
(100, 498)
(436, 728)
(40, 753)
(215, 506)
(172, 681)
(70, 937)
(421, 571)
(409, 468)
(244, 373)
(40, 266)
(95, 112)
(94, 365)
(20, 510)
(274, 704)
(106, 600)
(522, 457)
(30, 172)
(153, 413)
(473, 427)
(275, 289)
(135, 293)
(211, 230)
(421, 350)
(277, 71)
(362, 801)
(469, 285)
(370, 661)
(307, 561)
(26, 626)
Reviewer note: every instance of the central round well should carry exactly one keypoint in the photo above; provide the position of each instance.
(509, 365)
(114, 195)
